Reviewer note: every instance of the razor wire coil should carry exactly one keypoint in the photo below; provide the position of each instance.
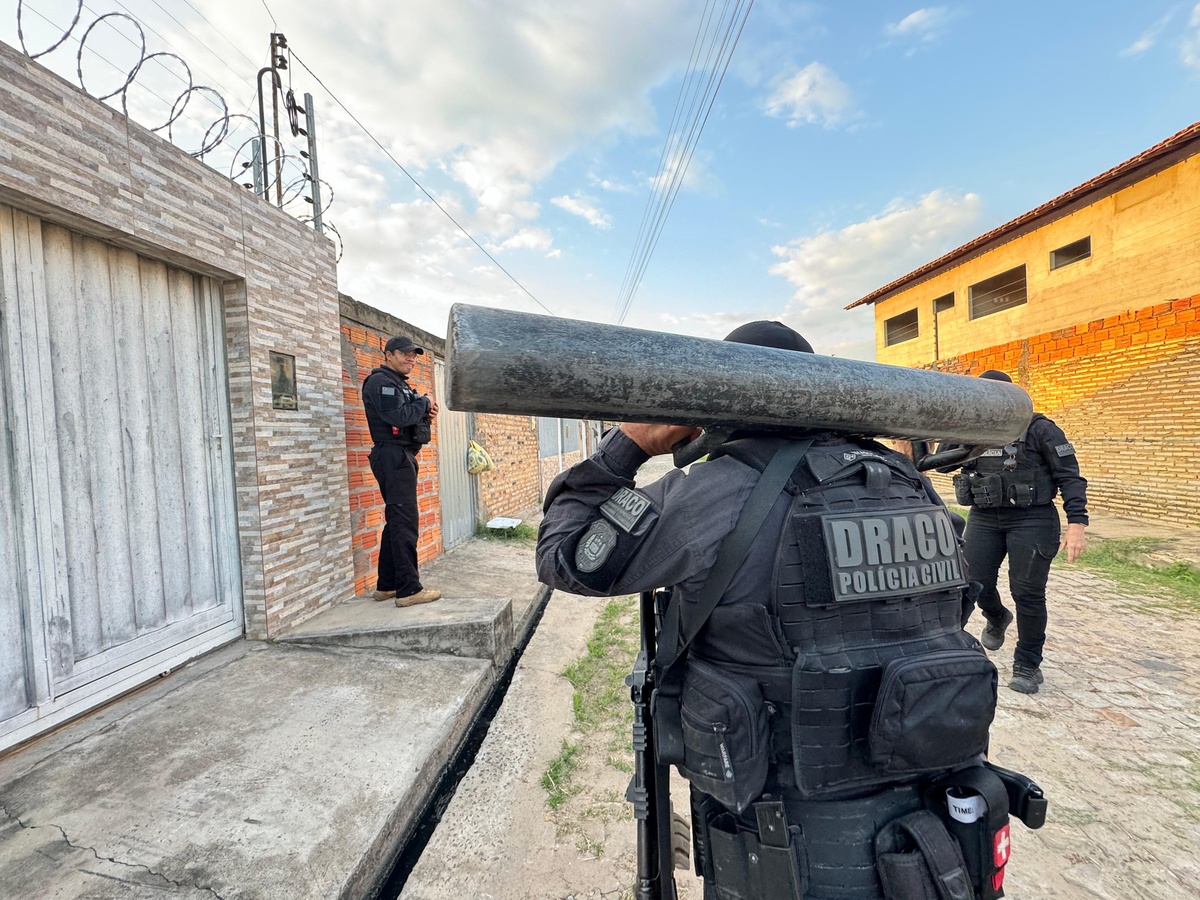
(216, 133)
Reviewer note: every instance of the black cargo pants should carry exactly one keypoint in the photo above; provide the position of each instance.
(395, 470)
(1029, 537)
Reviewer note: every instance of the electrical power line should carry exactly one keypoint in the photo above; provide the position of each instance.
(678, 148)
(421, 187)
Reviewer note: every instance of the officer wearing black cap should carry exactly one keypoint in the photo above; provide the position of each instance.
(1010, 491)
(846, 585)
(400, 422)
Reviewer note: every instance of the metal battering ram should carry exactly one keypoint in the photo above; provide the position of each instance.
(500, 361)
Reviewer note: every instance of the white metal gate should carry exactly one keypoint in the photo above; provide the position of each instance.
(455, 484)
(118, 541)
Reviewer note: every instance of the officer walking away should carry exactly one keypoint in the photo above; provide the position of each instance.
(802, 565)
(400, 420)
(1011, 491)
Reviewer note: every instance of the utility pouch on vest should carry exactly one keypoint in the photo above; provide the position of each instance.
(962, 490)
(725, 737)
(933, 711)
(987, 491)
(917, 859)
(422, 433)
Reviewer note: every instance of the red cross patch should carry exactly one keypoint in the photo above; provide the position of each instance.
(1001, 848)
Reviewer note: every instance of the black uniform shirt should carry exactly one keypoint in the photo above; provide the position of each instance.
(1047, 439)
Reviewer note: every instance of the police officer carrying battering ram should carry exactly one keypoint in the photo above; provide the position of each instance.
(400, 421)
(1011, 491)
(813, 681)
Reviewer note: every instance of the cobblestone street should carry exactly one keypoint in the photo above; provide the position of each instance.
(1113, 737)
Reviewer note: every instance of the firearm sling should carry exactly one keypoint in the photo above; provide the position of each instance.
(676, 635)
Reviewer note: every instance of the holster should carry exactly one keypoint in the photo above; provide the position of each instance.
(741, 863)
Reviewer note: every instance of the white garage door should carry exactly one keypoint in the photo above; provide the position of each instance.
(118, 543)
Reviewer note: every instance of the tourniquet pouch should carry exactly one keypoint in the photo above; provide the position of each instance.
(877, 715)
(962, 490)
(933, 711)
(725, 736)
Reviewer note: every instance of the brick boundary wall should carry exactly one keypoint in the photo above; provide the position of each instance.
(552, 465)
(513, 489)
(1126, 390)
(364, 332)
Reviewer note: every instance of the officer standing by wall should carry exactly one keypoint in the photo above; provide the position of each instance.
(855, 567)
(1011, 493)
(400, 421)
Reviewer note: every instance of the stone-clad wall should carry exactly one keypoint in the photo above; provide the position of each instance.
(74, 161)
(364, 331)
(1126, 390)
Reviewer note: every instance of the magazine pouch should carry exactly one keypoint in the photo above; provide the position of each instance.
(933, 711)
(725, 736)
(987, 491)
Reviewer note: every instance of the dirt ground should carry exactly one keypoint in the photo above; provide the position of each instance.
(1113, 737)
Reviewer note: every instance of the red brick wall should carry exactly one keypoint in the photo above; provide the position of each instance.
(1126, 390)
(511, 489)
(362, 351)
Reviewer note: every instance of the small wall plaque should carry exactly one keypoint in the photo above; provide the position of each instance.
(283, 381)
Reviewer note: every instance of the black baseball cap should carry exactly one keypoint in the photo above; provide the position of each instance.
(769, 334)
(995, 375)
(401, 345)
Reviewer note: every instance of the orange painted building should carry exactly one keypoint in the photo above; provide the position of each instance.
(1092, 303)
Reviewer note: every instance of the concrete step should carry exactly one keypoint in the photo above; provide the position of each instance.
(475, 627)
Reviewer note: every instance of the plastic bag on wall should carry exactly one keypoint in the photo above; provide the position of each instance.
(478, 460)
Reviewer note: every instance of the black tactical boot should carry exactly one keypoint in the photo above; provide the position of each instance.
(993, 634)
(1025, 679)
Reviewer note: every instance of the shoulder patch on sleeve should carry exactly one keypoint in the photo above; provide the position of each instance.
(625, 508)
(595, 546)
(387, 390)
(1065, 450)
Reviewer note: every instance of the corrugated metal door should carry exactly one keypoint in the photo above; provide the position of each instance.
(455, 484)
(121, 510)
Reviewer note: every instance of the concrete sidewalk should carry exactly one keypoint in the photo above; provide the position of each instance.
(291, 769)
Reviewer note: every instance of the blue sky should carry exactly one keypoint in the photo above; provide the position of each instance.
(849, 143)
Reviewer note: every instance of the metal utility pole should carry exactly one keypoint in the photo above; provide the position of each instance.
(310, 125)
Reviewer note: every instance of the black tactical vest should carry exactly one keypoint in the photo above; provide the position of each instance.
(394, 393)
(1009, 476)
(866, 674)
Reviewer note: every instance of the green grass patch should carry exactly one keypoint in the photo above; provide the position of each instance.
(602, 711)
(1128, 562)
(521, 534)
(557, 779)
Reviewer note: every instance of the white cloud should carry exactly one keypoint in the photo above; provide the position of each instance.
(583, 207)
(1149, 37)
(833, 269)
(925, 25)
(1189, 50)
(813, 95)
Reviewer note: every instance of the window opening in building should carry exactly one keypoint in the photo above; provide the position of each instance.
(998, 293)
(900, 328)
(943, 303)
(1072, 252)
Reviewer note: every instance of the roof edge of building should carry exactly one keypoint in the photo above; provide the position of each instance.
(1176, 148)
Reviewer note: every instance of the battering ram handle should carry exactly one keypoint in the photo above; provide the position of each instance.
(514, 363)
